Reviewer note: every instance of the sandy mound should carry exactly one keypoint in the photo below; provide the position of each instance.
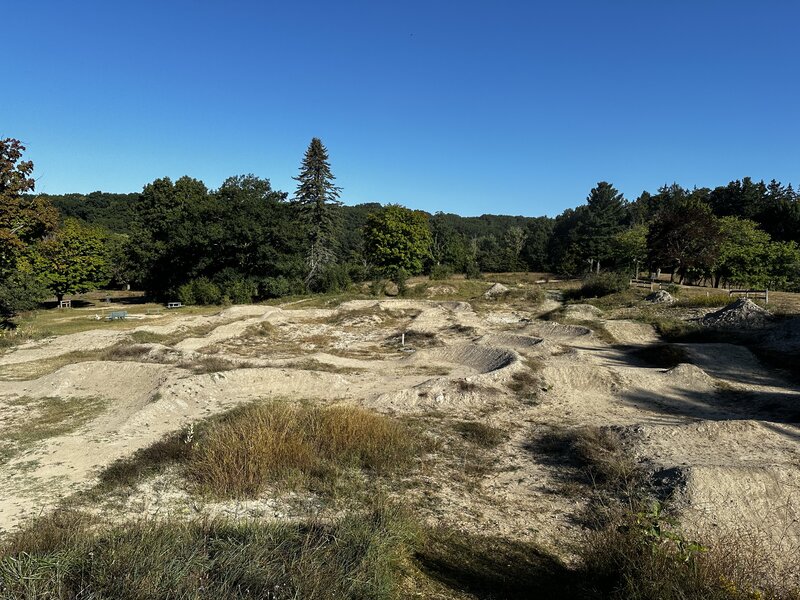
(660, 297)
(553, 330)
(482, 359)
(510, 340)
(582, 312)
(496, 291)
(692, 376)
(742, 314)
(121, 380)
(631, 332)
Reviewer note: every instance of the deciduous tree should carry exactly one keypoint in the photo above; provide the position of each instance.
(398, 238)
(73, 259)
(23, 219)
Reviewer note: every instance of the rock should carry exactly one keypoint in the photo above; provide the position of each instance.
(497, 290)
(660, 297)
(391, 289)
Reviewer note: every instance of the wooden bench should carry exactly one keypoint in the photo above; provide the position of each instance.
(174, 305)
(748, 293)
(117, 315)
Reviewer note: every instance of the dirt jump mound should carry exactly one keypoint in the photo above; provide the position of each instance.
(741, 314)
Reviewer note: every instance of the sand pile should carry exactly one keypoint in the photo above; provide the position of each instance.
(582, 312)
(742, 314)
(496, 291)
(660, 297)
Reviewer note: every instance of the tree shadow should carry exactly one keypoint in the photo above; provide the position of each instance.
(494, 568)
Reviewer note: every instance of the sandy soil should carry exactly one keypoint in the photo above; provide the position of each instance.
(724, 429)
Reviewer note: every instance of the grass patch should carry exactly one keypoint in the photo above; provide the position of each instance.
(262, 444)
(528, 384)
(481, 434)
(125, 351)
(70, 555)
(34, 369)
(311, 364)
(700, 301)
(624, 299)
(241, 453)
(42, 419)
(213, 364)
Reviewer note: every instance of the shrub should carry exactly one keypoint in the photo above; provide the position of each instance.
(239, 290)
(472, 270)
(333, 278)
(481, 434)
(440, 272)
(200, 291)
(400, 277)
(276, 287)
(602, 284)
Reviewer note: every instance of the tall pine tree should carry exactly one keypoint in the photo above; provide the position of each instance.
(316, 196)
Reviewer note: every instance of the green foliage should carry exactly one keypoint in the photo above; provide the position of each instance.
(440, 272)
(333, 278)
(685, 235)
(315, 197)
(20, 291)
(71, 555)
(23, 219)
(200, 291)
(74, 259)
(629, 247)
(397, 237)
(597, 285)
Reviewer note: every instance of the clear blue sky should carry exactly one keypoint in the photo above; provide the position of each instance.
(469, 107)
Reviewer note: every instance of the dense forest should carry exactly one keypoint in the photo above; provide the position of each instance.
(246, 241)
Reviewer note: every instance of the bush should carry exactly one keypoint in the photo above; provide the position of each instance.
(200, 291)
(20, 292)
(472, 270)
(333, 278)
(400, 276)
(602, 284)
(236, 287)
(440, 272)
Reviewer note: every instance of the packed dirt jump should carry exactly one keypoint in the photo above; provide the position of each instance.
(719, 430)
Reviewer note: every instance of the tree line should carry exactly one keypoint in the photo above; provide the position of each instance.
(246, 241)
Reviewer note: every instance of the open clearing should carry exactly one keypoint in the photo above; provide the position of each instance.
(482, 381)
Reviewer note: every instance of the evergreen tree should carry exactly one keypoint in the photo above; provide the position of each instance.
(315, 197)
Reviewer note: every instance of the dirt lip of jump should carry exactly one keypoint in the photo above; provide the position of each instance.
(724, 423)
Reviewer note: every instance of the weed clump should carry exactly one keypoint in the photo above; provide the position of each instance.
(73, 555)
(481, 434)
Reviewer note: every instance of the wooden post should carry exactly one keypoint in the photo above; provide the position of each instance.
(766, 296)
(403, 339)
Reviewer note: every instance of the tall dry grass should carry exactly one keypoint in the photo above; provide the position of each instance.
(278, 443)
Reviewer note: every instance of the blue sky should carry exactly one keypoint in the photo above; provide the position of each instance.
(459, 106)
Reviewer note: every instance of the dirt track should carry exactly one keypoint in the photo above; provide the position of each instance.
(724, 427)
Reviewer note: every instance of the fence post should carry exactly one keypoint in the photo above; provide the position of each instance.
(766, 296)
